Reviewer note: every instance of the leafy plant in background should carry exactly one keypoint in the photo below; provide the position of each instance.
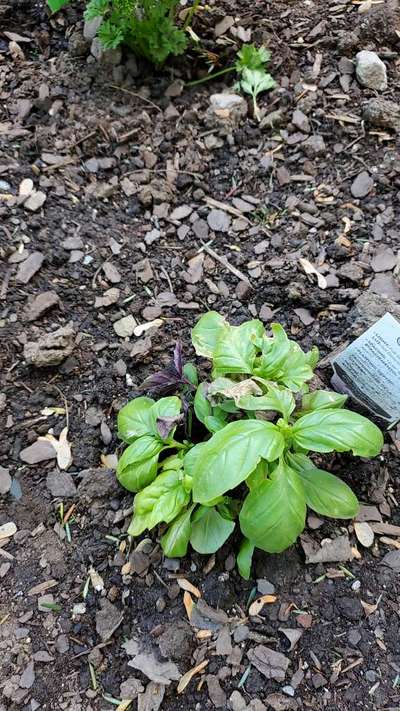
(250, 431)
(148, 27)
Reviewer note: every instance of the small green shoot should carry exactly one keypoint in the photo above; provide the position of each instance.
(254, 79)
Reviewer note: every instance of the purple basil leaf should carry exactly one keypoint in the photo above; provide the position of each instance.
(165, 425)
(178, 358)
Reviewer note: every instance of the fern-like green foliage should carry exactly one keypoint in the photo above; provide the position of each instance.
(146, 26)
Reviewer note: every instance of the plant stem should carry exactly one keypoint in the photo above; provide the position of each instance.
(191, 12)
(210, 76)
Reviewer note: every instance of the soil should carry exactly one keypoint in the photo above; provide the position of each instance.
(109, 166)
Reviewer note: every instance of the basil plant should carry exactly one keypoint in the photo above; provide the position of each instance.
(244, 456)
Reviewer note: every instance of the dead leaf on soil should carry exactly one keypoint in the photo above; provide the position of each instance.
(293, 635)
(310, 269)
(96, 579)
(186, 678)
(142, 328)
(186, 585)
(7, 530)
(42, 587)
(364, 533)
(369, 608)
(159, 672)
(62, 447)
(188, 603)
(256, 606)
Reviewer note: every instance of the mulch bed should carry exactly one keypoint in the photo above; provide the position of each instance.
(127, 208)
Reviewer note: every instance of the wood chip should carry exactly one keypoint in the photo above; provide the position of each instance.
(256, 606)
(186, 678)
(203, 634)
(188, 602)
(387, 529)
(186, 585)
(42, 587)
(310, 269)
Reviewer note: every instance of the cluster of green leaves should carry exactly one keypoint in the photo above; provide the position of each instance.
(148, 27)
(259, 423)
(251, 65)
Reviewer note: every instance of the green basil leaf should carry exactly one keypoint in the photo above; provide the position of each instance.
(283, 360)
(322, 400)
(202, 406)
(176, 540)
(214, 424)
(137, 466)
(190, 373)
(257, 476)
(231, 454)
(244, 558)
(56, 5)
(135, 477)
(210, 532)
(167, 407)
(163, 499)
(192, 457)
(139, 524)
(235, 349)
(206, 333)
(273, 515)
(338, 430)
(134, 420)
(325, 493)
(278, 399)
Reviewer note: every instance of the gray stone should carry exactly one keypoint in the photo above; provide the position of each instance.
(28, 676)
(29, 267)
(386, 285)
(62, 644)
(353, 637)
(301, 121)
(218, 220)
(362, 185)
(40, 304)
(371, 71)
(382, 113)
(349, 607)
(240, 633)
(384, 260)
(78, 46)
(110, 57)
(51, 348)
(351, 271)
(40, 451)
(91, 26)
(371, 676)
(60, 484)
(264, 587)
(368, 308)
(97, 483)
(273, 665)
(226, 110)
(5, 480)
(313, 146)
(237, 702)
(108, 619)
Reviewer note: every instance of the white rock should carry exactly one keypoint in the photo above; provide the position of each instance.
(125, 326)
(35, 201)
(26, 187)
(226, 110)
(371, 71)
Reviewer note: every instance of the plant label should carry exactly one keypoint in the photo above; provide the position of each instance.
(368, 370)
